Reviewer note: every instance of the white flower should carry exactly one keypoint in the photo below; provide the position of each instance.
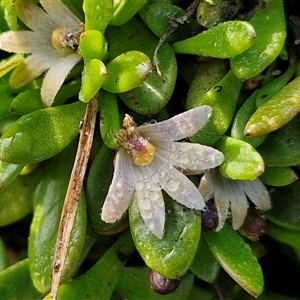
(51, 43)
(149, 160)
(233, 194)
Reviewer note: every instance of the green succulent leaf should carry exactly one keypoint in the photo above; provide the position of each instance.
(225, 40)
(236, 258)
(242, 161)
(97, 14)
(172, 255)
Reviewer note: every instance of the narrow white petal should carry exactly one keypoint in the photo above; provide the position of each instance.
(190, 156)
(34, 17)
(60, 14)
(56, 76)
(238, 202)
(257, 193)
(206, 186)
(177, 185)
(33, 66)
(221, 198)
(178, 127)
(151, 205)
(25, 42)
(120, 191)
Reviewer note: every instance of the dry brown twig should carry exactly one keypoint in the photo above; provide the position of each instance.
(73, 193)
(174, 24)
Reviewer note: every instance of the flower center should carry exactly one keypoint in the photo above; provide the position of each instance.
(141, 149)
(62, 38)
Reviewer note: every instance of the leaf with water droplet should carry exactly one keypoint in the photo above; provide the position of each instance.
(278, 111)
(270, 27)
(222, 41)
(172, 255)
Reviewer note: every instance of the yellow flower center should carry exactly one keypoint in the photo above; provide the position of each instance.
(144, 158)
(141, 149)
(62, 38)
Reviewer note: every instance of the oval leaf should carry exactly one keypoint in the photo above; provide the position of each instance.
(134, 35)
(92, 45)
(222, 41)
(270, 27)
(41, 134)
(242, 161)
(278, 176)
(127, 71)
(204, 265)
(275, 113)
(237, 259)
(97, 14)
(49, 199)
(172, 255)
(110, 122)
(93, 76)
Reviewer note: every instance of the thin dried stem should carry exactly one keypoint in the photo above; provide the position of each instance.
(73, 194)
(174, 24)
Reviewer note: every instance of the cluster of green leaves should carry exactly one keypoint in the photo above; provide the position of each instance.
(38, 145)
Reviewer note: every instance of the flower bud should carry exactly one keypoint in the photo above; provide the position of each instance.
(209, 217)
(162, 285)
(253, 226)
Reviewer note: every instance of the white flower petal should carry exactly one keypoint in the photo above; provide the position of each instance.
(151, 205)
(178, 127)
(56, 76)
(206, 186)
(34, 17)
(257, 193)
(221, 198)
(60, 14)
(33, 66)
(190, 156)
(238, 202)
(24, 42)
(176, 185)
(120, 191)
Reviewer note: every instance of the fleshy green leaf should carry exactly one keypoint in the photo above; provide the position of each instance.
(275, 113)
(278, 176)
(242, 161)
(172, 255)
(123, 11)
(16, 283)
(270, 27)
(8, 64)
(204, 265)
(222, 41)
(99, 281)
(97, 14)
(92, 45)
(110, 122)
(93, 76)
(41, 134)
(237, 259)
(127, 71)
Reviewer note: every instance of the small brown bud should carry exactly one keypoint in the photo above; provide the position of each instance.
(254, 225)
(209, 217)
(162, 285)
